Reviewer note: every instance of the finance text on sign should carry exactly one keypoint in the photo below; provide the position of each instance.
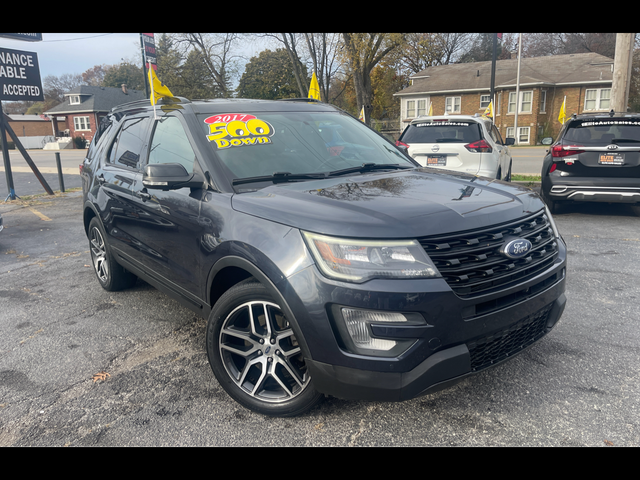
(19, 76)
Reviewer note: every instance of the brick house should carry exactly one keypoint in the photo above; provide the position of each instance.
(84, 107)
(464, 88)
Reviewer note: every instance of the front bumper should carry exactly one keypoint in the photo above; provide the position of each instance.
(442, 369)
(464, 336)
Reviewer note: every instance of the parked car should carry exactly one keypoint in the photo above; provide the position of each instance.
(463, 143)
(326, 261)
(596, 158)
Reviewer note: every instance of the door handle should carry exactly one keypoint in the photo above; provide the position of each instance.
(144, 196)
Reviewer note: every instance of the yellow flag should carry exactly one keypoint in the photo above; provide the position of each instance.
(563, 111)
(158, 89)
(430, 109)
(314, 88)
(361, 117)
(489, 111)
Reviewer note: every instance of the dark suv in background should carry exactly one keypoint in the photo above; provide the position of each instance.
(326, 261)
(595, 159)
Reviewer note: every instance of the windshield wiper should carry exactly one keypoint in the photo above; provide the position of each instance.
(278, 177)
(369, 167)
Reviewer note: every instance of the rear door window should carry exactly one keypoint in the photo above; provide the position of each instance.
(127, 148)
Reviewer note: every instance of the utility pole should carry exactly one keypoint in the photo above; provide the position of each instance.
(622, 71)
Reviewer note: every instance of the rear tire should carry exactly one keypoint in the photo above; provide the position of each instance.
(554, 206)
(111, 275)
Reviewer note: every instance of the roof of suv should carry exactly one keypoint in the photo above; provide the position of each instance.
(218, 105)
(422, 118)
(610, 114)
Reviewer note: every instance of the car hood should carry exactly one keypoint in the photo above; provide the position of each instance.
(403, 204)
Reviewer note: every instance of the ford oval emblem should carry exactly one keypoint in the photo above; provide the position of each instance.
(517, 248)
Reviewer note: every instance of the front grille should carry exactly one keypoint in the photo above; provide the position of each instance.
(489, 350)
(472, 265)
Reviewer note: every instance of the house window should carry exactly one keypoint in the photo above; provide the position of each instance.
(411, 108)
(523, 134)
(74, 99)
(484, 101)
(597, 99)
(81, 123)
(415, 108)
(452, 104)
(543, 101)
(526, 100)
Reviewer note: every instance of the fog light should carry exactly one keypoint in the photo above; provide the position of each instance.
(355, 331)
(357, 322)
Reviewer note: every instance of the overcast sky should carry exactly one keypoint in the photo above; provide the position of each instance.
(60, 53)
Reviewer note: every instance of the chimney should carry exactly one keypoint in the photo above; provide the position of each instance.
(124, 88)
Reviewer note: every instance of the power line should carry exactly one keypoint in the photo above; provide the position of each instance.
(74, 39)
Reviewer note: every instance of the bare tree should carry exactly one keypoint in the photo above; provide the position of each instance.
(541, 44)
(323, 51)
(217, 51)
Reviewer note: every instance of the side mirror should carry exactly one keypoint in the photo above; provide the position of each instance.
(170, 176)
(510, 141)
(547, 141)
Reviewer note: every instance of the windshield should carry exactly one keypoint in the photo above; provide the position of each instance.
(601, 131)
(440, 132)
(295, 143)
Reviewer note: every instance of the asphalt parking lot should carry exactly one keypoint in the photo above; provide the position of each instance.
(80, 366)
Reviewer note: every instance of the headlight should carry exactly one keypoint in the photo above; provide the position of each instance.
(361, 260)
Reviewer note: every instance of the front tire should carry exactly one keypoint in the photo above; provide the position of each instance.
(254, 353)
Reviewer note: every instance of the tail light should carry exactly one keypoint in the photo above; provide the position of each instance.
(81, 166)
(481, 146)
(401, 144)
(559, 151)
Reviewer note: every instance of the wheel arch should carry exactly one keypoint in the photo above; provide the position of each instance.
(87, 215)
(231, 270)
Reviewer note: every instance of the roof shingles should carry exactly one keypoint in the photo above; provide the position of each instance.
(550, 70)
(96, 99)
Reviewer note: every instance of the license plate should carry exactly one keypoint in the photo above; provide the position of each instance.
(436, 160)
(611, 159)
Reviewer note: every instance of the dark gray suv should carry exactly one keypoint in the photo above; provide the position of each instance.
(327, 261)
(595, 159)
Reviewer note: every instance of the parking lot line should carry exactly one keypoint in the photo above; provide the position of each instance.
(41, 215)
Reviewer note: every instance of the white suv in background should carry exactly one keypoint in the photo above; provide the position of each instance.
(462, 143)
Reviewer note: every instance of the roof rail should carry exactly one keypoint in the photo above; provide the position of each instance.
(147, 103)
(299, 100)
